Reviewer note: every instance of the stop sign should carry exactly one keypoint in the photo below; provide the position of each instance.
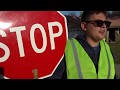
(32, 43)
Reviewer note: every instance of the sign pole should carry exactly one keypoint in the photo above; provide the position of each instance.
(35, 73)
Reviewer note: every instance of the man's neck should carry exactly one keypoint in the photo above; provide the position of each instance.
(92, 42)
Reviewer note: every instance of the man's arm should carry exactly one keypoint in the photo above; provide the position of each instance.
(60, 71)
(1, 73)
(1, 76)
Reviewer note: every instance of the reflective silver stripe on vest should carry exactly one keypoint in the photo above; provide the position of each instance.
(76, 59)
(108, 62)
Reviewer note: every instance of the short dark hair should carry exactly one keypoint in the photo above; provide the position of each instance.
(86, 14)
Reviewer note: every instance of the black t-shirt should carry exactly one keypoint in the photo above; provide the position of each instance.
(93, 52)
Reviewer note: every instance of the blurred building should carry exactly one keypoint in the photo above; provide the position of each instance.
(73, 24)
(113, 33)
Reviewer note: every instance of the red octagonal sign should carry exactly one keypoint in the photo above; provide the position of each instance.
(32, 43)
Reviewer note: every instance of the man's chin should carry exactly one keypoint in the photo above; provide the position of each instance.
(98, 40)
(101, 37)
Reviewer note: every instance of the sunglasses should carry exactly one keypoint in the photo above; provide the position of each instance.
(99, 23)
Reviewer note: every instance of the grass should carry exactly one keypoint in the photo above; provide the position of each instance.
(115, 47)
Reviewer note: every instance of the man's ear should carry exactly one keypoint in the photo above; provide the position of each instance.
(83, 26)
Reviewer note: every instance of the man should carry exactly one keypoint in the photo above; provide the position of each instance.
(88, 56)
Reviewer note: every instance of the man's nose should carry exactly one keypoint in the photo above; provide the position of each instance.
(104, 25)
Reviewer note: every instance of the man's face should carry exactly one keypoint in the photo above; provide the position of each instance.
(93, 30)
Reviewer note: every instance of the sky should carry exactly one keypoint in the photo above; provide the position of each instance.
(77, 13)
(67, 12)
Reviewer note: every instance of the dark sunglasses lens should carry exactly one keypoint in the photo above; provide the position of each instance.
(100, 23)
(107, 23)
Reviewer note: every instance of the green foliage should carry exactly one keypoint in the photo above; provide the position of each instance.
(116, 13)
(115, 48)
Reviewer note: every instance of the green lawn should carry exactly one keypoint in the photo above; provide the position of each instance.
(115, 47)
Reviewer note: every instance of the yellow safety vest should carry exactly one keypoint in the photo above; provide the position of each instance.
(80, 66)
